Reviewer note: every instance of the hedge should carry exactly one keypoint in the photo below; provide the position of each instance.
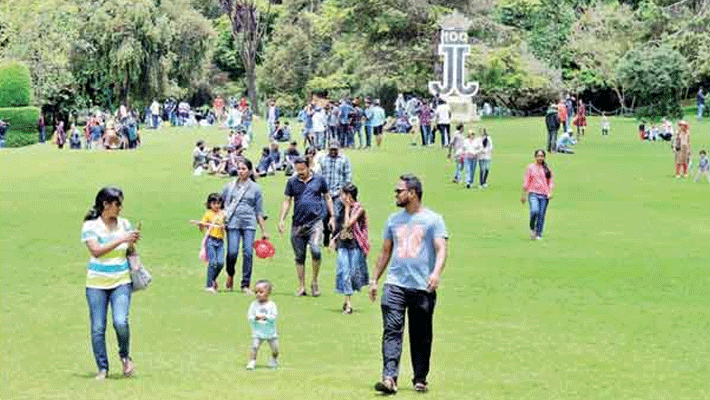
(19, 139)
(21, 119)
(14, 85)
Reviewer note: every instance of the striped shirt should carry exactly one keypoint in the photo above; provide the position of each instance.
(536, 182)
(111, 269)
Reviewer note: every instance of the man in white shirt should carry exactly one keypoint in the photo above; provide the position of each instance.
(443, 118)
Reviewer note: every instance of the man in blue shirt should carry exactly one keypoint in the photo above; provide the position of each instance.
(345, 131)
(308, 191)
(378, 121)
(414, 246)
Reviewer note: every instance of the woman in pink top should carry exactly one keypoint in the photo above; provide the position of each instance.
(537, 185)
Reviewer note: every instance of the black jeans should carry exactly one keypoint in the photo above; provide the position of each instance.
(419, 306)
(551, 140)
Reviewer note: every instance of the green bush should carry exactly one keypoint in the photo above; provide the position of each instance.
(19, 139)
(14, 85)
(22, 119)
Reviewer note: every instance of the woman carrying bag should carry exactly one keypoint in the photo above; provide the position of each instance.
(109, 239)
(242, 201)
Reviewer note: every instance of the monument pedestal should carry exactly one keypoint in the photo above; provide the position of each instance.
(463, 110)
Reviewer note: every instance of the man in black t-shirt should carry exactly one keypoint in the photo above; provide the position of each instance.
(309, 192)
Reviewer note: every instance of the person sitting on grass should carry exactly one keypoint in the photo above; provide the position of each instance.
(289, 156)
(275, 154)
(565, 143)
(265, 165)
(199, 157)
(215, 163)
(282, 133)
(667, 131)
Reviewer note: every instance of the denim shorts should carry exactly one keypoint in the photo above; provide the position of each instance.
(304, 235)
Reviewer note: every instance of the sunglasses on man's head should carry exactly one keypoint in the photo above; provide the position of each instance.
(398, 191)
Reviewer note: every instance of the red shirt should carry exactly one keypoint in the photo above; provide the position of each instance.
(536, 182)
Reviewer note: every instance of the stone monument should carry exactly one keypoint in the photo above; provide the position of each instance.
(453, 88)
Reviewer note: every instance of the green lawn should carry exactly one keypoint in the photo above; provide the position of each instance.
(612, 304)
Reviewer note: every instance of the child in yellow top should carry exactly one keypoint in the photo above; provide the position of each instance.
(214, 244)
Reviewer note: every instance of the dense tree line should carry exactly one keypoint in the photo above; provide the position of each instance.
(525, 52)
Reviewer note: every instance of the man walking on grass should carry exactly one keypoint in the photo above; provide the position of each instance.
(414, 246)
(307, 191)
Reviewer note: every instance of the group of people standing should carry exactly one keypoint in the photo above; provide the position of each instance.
(469, 151)
(325, 121)
(563, 115)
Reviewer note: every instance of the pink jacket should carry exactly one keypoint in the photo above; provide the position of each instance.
(536, 182)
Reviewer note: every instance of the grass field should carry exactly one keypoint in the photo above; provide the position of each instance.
(612, 304)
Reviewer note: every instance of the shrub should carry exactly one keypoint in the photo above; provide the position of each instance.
(21, 119)
(14, 85)
(19, 139)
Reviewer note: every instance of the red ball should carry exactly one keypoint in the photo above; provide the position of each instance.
(264, 248)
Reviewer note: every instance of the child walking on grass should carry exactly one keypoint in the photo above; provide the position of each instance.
(353, 246)
(213, 220)
(262, 318)
(703, 167)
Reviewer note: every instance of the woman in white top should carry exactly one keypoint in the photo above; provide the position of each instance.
(484, 158)
(472, 147)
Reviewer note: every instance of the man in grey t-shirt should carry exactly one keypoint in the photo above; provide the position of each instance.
(414, 246)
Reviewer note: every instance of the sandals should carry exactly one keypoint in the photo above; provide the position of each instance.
(314, 290)
(300, 293)
(347, 309)
(387, 386)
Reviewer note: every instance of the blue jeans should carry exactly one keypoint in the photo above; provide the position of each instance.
(215, 259)
(320, 140)
(42, 134)
(426, 135)
(700, 111)
(484, 166)
(538, 207)
(459, 169)
(98, 300)
(470, 167)
(156, 121)
(357, 130)
(234, 236)
(445, 134)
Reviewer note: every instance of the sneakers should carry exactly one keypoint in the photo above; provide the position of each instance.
(128, 367)
(273, 364)
(101, 375)
(247, 291)
(533, 235)
(314, 290)
(211, 289)
(251, 365)
(387, 386)
(420, 387)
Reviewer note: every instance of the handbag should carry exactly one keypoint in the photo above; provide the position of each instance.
(140, 277)
(203, 247)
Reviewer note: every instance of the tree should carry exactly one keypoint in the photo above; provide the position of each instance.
(248, 28)
(599, 38)
(656, 77)
(137, 49)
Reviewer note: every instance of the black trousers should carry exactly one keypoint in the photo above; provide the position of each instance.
(551, 140)
(419, 307)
